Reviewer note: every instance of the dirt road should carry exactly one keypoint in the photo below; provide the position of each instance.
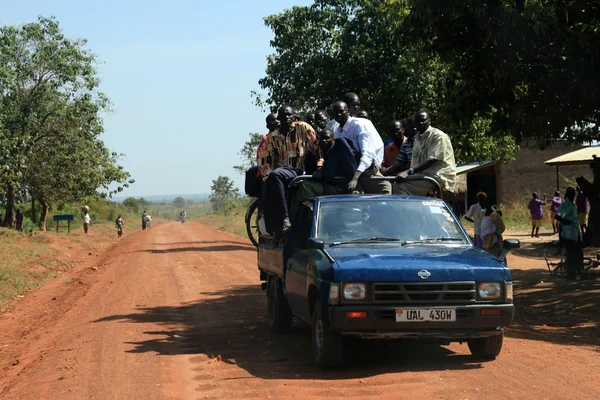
(176, 312)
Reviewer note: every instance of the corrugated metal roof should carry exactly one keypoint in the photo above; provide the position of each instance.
(577, 157)
(470, 167)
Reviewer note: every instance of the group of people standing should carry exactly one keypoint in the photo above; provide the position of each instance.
(569, 220)
(536, 211)
(346, 154)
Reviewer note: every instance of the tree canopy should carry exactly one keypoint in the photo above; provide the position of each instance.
(222, 193)
(248, 153)
(490, 73)
(50, 119)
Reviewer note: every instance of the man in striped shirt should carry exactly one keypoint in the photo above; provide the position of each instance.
(286, 151)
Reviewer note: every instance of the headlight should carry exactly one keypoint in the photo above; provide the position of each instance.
(355, 291)
(509, 291)
(490, 290)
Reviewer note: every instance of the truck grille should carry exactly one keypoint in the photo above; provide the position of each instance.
(423, 293)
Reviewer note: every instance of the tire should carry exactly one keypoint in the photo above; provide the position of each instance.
(252, 218)
(487, 348)
(280, 316)
(328, 346)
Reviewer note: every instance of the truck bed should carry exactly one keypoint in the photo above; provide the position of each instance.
(270, 259)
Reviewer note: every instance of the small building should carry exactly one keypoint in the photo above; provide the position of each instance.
(515, 181)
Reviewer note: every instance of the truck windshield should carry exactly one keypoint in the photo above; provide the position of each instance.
(406, 221)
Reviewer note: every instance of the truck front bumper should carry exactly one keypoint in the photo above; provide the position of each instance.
(380, 322)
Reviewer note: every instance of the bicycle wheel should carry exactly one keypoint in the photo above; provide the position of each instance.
(252, 223)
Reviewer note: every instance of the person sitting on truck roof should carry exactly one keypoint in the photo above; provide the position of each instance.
(334, 170)
(365, 141)
(321, 120)
(289, 145)
(404, 157)
(432, 156)
(262, 153)
(353, 102)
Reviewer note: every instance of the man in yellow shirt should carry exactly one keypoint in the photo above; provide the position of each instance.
(432, 156)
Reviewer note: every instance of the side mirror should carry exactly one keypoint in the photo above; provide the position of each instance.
(510, 244)
(315, 244)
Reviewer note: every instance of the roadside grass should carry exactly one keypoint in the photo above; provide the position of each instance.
(25, 262)
(231, 222)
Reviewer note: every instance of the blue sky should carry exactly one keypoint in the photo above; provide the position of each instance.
(179, 74)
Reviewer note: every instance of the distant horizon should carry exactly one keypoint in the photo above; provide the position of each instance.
(164, 197)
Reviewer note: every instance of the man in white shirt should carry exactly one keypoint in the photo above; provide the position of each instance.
(475, 215)
(353, 102)
(86, 220)
(366, 141)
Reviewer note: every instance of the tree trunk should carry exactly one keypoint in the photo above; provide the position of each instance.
(45, 207)
(33, 216)
(9, 218)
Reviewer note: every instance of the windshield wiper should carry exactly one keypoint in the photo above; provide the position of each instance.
(438, 239)
(371, 239)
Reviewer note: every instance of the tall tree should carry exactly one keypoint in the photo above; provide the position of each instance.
(50, 113)
(248, 153)
(335, 46)
(534, 63)
(222, 192)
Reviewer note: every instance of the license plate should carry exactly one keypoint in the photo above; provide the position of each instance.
(425, 314)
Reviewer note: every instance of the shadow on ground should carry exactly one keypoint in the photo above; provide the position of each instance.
(237, 247)
(240, 243)
(232, 325)
(553, 309)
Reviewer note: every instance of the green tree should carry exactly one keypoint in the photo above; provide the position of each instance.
(50, 118)
(335, 46)
(222, 192)
(132, 204)
(248, 153)
(179, 202)
(531, 65)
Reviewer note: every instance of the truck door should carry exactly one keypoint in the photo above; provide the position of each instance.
(298, 265)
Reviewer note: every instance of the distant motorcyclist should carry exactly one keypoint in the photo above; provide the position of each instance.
(144, 215)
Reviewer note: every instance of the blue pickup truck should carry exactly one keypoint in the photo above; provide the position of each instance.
(385, 267)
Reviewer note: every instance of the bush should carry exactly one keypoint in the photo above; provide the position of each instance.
(28, 225)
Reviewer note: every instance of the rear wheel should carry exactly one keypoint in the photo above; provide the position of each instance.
(487, 348)
(328, 346)
(280, 316)
(252, 218)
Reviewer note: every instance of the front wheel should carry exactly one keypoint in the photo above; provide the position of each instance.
(487, 348)
(328, 346)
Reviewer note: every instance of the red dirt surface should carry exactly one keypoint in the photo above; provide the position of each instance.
(176, 312)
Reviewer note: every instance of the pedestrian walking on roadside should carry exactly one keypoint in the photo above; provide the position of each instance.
(537, 214)
(19, 221)
(555, 203)
(85, 217)
(144, 215)
(119, 224)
